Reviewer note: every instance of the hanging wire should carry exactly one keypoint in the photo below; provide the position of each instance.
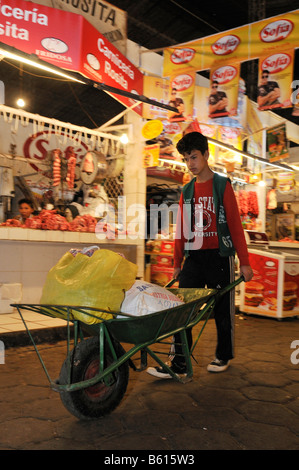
(195, 16)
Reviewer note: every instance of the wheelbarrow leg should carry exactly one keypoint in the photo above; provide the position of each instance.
(186, 353)
(143, 362)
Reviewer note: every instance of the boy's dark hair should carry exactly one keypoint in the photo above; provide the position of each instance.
(192, 141)
(26, 201)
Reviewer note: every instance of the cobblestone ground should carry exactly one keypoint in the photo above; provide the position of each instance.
(254, 405)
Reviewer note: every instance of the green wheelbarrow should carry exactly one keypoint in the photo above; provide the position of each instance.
(95, 374)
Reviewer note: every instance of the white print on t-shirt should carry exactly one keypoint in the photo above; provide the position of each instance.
(207, 203)
(204, 211)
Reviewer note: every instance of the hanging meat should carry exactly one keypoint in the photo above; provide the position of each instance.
(253, 207)
(243, 203)
(56, 167)
(71, 166)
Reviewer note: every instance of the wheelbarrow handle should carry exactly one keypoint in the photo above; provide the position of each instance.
(235, 283)
(170, 283)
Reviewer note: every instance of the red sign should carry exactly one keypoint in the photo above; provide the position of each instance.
(182, 56)
(68, 41)
(276, 30)
(276, 62)
(225, 74)
(226, 45)
(103, 63)
(182, 82)
(53, 35)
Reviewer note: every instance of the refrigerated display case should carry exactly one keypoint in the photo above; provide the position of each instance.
(274, 289)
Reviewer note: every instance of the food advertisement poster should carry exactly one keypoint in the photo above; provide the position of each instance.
(277, 144)
(291, 286)
(273, 291)
(262, 292)
(157, 89)
(151, 155)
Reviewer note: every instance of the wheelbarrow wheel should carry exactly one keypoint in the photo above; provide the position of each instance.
(99, 399)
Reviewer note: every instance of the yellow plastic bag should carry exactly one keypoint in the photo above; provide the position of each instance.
(100, 281)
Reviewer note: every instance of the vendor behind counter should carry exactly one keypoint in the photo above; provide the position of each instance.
(26, 210)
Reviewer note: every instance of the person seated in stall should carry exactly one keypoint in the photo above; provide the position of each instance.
(26, 210)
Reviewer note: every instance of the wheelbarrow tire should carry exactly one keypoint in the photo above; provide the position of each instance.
(100, 399)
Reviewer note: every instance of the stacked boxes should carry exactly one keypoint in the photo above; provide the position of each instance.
(161, 252)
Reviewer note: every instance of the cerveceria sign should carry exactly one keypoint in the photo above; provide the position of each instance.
(67, 40)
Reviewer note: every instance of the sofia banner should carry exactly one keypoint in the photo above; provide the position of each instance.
(181, 94)
(272, 40)
(275, 80)
(224, 90)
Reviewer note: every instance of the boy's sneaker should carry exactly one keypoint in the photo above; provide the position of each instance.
(218, 365)
(162, 373)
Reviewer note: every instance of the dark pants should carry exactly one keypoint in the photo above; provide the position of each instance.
(206, 268)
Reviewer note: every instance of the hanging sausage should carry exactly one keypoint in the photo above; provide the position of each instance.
(56, 167)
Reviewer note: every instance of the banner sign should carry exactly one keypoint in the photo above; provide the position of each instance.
(106, 18)
(68, 41)
(224, 90)
(272, 40)
(229, 46)
(53, 35)
(182, 57)
(102, 62)
(181, 92)
(275, 80)
(274, 34)
(156, 89)
(240, 44)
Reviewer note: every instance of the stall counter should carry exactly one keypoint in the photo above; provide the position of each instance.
(27, 255)
(292, 248)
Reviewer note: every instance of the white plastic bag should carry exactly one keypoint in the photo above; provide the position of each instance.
(144, 298)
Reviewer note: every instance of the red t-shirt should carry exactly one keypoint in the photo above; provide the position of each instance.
(205, 229)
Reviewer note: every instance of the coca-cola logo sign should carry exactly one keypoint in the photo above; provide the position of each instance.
(182, 56)
(226, 45)
(182, 82)
(276, 31)
(224, 74)
(37, 146)
(276, 62)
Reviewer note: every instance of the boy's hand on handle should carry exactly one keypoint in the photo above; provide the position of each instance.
(176, 273)
(246, 272)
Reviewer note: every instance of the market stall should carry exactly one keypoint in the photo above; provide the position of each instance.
(88, 188)
(59, 166)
